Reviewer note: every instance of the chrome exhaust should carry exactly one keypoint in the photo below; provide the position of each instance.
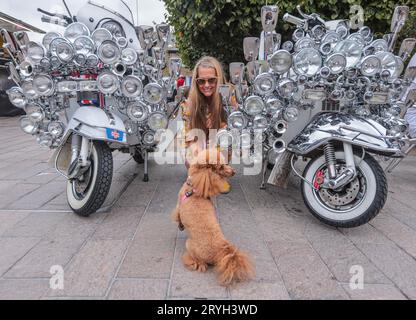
(119, 69)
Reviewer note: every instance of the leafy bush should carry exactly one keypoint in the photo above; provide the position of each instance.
(217, 27)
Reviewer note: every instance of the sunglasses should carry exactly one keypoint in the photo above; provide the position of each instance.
(201, 82)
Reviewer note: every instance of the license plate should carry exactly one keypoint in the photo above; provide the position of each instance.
(116, 135)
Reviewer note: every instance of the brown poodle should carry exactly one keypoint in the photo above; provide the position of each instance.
(195, 212)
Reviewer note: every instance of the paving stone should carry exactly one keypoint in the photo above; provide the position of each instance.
(39, 197)
(15, 192)
(28, 171)
(13, 249)
(120, 223)
(138, 289)
(399, 233)
(340, 254)
(9, 219)
(90, 272)
(37, 262)
(365, 234)
(239, 227)
(398, 266)
(138, 193)
(259, 291)
(375, 292)
(27, 289)
(304, 273)
(151, 252)
(36, 224)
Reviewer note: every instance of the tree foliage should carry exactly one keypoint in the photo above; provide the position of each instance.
(217, 27)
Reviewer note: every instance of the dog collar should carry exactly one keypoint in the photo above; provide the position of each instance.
(188, 194)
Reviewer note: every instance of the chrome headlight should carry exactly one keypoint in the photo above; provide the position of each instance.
(100, 35)
(253, 105)
(137, 112)
(304, 43)
(379, 45)
(357, 37)
(56, 129)
(264, 84)
(388, 62)
(157, 120)
(45, 64)
(308, 61)
(67, 86)
(92, 61)
(122, 42)
(153, 93)
(35, 112)
(149, 138)
(366, 33)
(237, 120)
(35, 52)
(47, 39)
(273, 105)
(108, 82)
(29, 91)
(27, 125)
(129, 56)
(280, 61)
(45, 140)
(291, 114)
(370, 66)
(80, 59)
(17, 97)
(43, 85)
(336, 63)
(75, 30)
(88, 86)
(55, 62)
(109, 52)
(352, 51)
(287, 45)
(62, 49)
(26, 68)
(131, 86)
(331, 37)
(260, 122)
(286, 87)
(84, 45)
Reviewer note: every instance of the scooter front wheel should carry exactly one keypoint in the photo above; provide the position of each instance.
(87, 193)
(355, 203)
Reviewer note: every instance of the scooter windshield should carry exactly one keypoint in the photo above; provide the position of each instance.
(124, 8)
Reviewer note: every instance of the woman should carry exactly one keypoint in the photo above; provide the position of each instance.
(203, 109)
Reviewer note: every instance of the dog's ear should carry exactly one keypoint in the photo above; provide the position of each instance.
(201, 182)
(226, 171)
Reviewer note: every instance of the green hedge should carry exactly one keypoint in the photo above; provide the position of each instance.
(217, 27)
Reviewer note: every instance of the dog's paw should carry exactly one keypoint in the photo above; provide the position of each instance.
(193, 265)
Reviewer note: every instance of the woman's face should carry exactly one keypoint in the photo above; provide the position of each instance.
(206, 81)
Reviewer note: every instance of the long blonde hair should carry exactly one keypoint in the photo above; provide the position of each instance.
(198, 101)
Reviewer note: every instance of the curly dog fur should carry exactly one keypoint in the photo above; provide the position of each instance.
(206, 244)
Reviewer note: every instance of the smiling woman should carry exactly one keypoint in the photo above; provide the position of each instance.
(203, 110)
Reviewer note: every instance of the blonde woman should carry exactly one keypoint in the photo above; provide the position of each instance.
(203, 109)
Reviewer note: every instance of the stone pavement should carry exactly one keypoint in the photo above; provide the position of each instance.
(131, 249)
